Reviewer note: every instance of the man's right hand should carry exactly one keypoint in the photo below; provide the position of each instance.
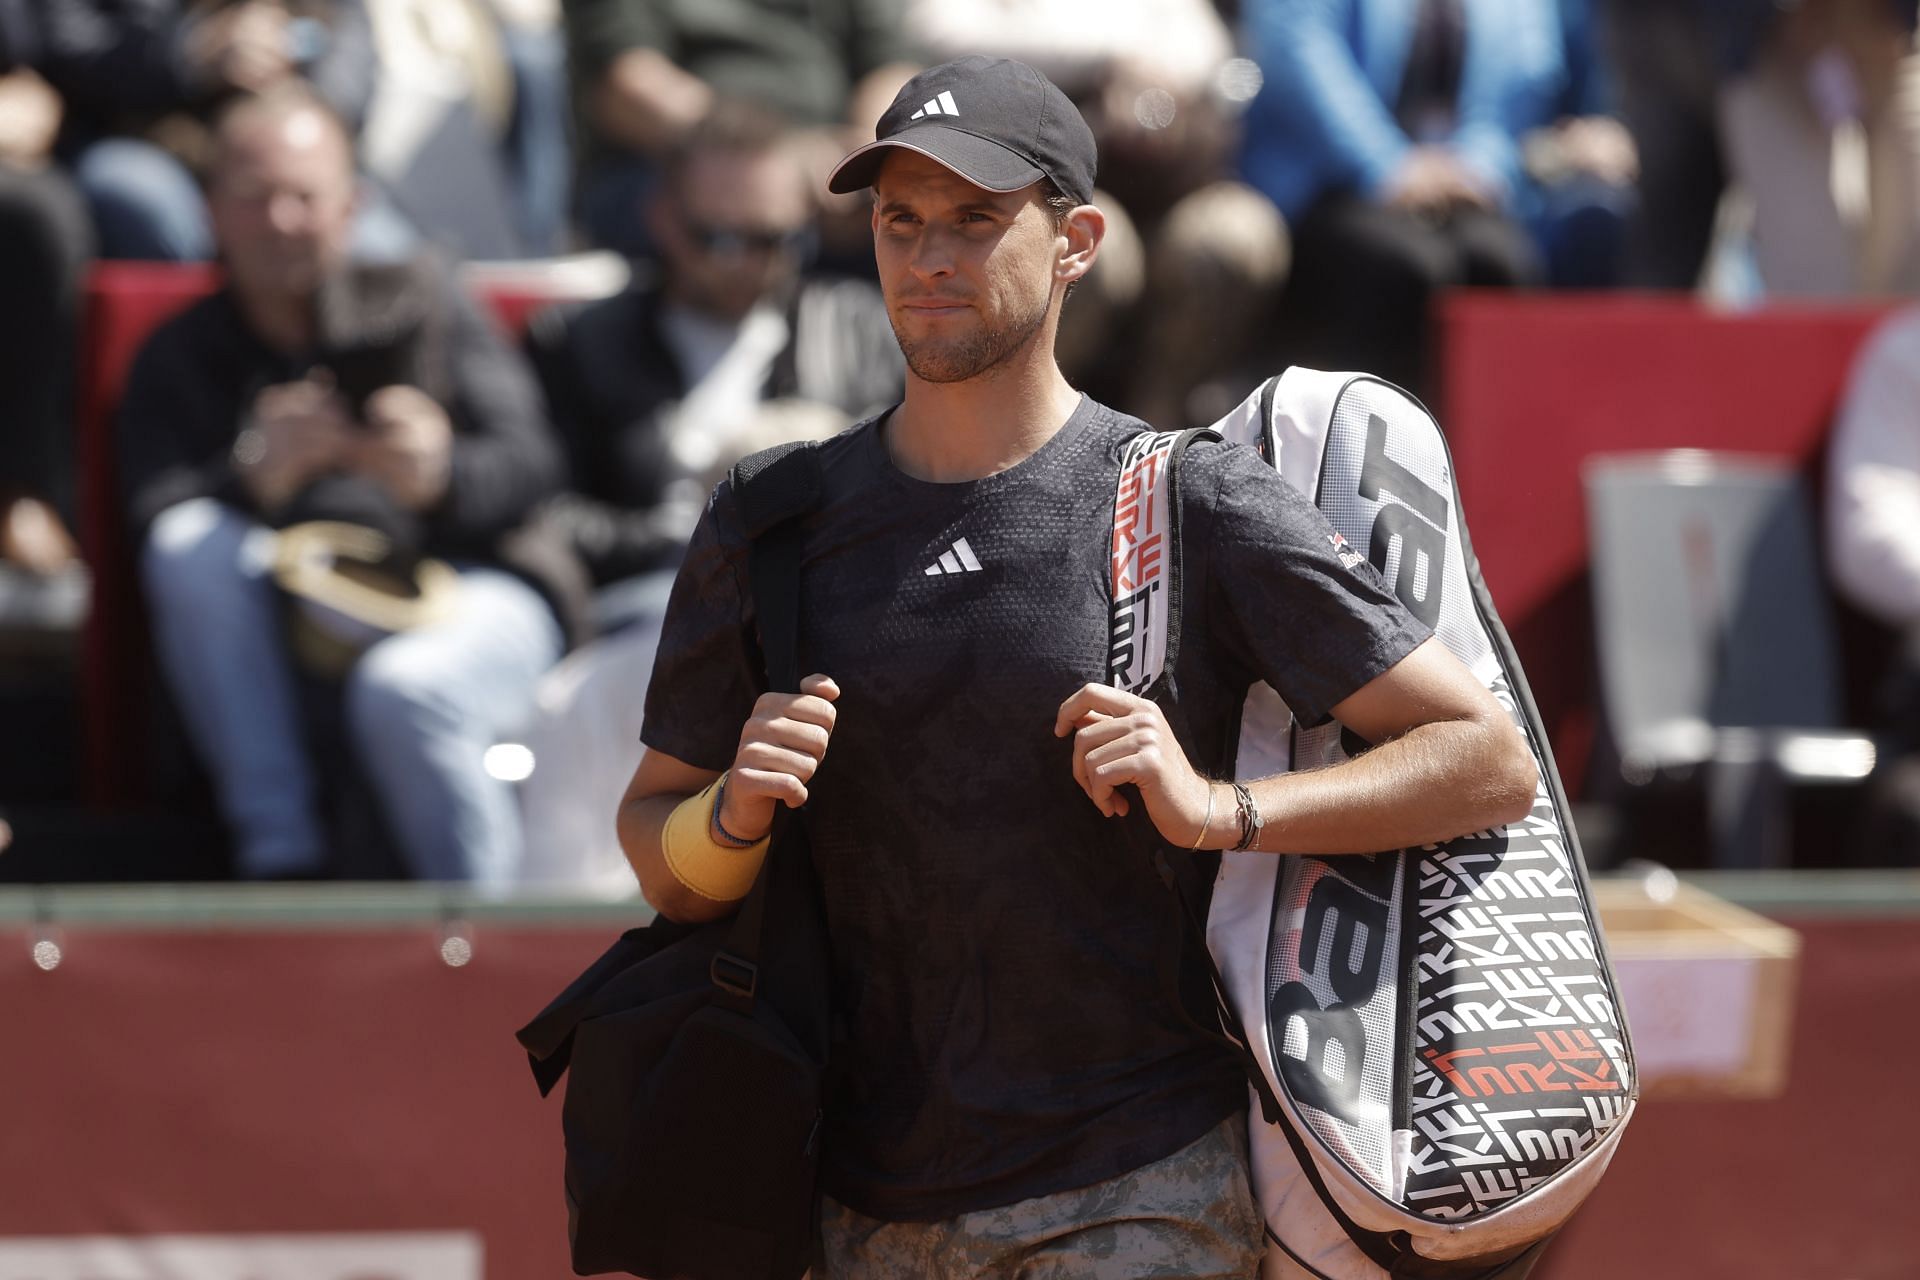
(780, 748)
(297, 431)
(243, 46)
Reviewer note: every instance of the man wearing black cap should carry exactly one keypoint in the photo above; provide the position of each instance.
(1023, 1086)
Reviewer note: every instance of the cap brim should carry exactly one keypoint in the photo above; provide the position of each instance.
(980, 161)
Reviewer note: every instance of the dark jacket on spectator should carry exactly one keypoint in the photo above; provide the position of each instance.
(611, 378)
(19, 35)
(799, 57)
(194, 382)
(121, 64)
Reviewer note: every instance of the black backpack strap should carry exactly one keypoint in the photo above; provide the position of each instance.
(773, 489)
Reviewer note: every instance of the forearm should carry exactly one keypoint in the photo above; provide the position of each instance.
(1433, 783)
(645, 102)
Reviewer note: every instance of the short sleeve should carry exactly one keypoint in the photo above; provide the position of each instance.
(708, 670)
(1289, 597)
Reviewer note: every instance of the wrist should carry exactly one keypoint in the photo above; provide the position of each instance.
(1204, 838)
(729, 827)
(720, 873)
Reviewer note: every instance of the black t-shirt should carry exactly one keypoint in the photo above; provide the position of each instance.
(1002, 952)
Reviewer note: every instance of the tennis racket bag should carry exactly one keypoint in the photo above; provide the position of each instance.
(1440, 1066)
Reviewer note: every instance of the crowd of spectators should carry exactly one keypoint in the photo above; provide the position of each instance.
(372, 527)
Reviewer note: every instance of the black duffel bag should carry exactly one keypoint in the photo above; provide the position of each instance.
(692, 1120)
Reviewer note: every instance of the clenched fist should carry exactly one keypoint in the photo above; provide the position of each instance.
(781, 747)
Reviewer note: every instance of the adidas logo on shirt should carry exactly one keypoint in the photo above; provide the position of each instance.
(940, 106)
(959, 560)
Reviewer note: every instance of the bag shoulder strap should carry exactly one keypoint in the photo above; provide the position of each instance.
(774, 489)
(1143, 645)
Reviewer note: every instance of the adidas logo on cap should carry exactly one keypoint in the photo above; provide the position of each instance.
(940, 106)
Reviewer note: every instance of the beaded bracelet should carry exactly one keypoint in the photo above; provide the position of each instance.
(1250, 822)
(721, 834)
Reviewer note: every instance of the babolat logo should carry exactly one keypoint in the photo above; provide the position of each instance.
(1320, 1051)
(1418, 520)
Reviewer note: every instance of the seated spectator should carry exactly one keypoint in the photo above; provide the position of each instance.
(1192, 264)
(650, 387)
(646, 74)
(657, 391)
(1873, 553)
(1395, 156)
(1820, 129)
(311, 387)
(141, 78)
(468, 128)
(44, 249)
(1578, 197)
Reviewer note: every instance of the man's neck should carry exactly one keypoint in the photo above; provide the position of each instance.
(949, 432)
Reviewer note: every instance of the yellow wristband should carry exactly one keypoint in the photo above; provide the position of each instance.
(701, 863)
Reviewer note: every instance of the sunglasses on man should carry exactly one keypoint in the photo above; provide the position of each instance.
(739, 242)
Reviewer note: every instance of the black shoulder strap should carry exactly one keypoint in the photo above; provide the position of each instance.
(773, 489)
(775, 485)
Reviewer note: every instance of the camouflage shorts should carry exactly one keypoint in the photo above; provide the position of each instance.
(1191, 1214)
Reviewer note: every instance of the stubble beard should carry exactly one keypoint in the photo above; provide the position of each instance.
(969, 355)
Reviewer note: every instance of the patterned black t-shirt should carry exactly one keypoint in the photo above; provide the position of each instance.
(1002, 952)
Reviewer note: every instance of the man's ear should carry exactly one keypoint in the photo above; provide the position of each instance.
(1083, 231)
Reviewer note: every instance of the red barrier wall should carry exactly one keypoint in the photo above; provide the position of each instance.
(242, 1081)
(1817, 1184)
(304, 1080)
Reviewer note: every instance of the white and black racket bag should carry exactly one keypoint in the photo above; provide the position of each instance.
(1440, 1065)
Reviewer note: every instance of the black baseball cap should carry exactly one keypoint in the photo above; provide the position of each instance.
(996, 122)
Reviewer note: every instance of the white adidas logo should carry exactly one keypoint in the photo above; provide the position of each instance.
(940, 106)
(959, 560)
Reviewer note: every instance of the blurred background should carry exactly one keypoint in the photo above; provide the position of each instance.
(364, 364)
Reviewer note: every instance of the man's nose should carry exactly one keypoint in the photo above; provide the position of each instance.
(932, 256)
(287, 213)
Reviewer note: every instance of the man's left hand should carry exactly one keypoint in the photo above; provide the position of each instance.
(408, 450)
(1119, 738)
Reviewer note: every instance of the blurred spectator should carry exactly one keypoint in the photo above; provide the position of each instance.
(1191, 269)
(650, 387)
(468, 125)
(1667, 58)
(44, 248)
(1389, 133)
(142, 77)
(312, 388)
(1579, 196)
(1808, 108)
(646, 71)
(1873, 552)
(657, 391)
(539, 136)
(1822, 130)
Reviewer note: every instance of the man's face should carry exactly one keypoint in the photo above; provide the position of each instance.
(731, 229)
(282, 202)
(968, 273)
